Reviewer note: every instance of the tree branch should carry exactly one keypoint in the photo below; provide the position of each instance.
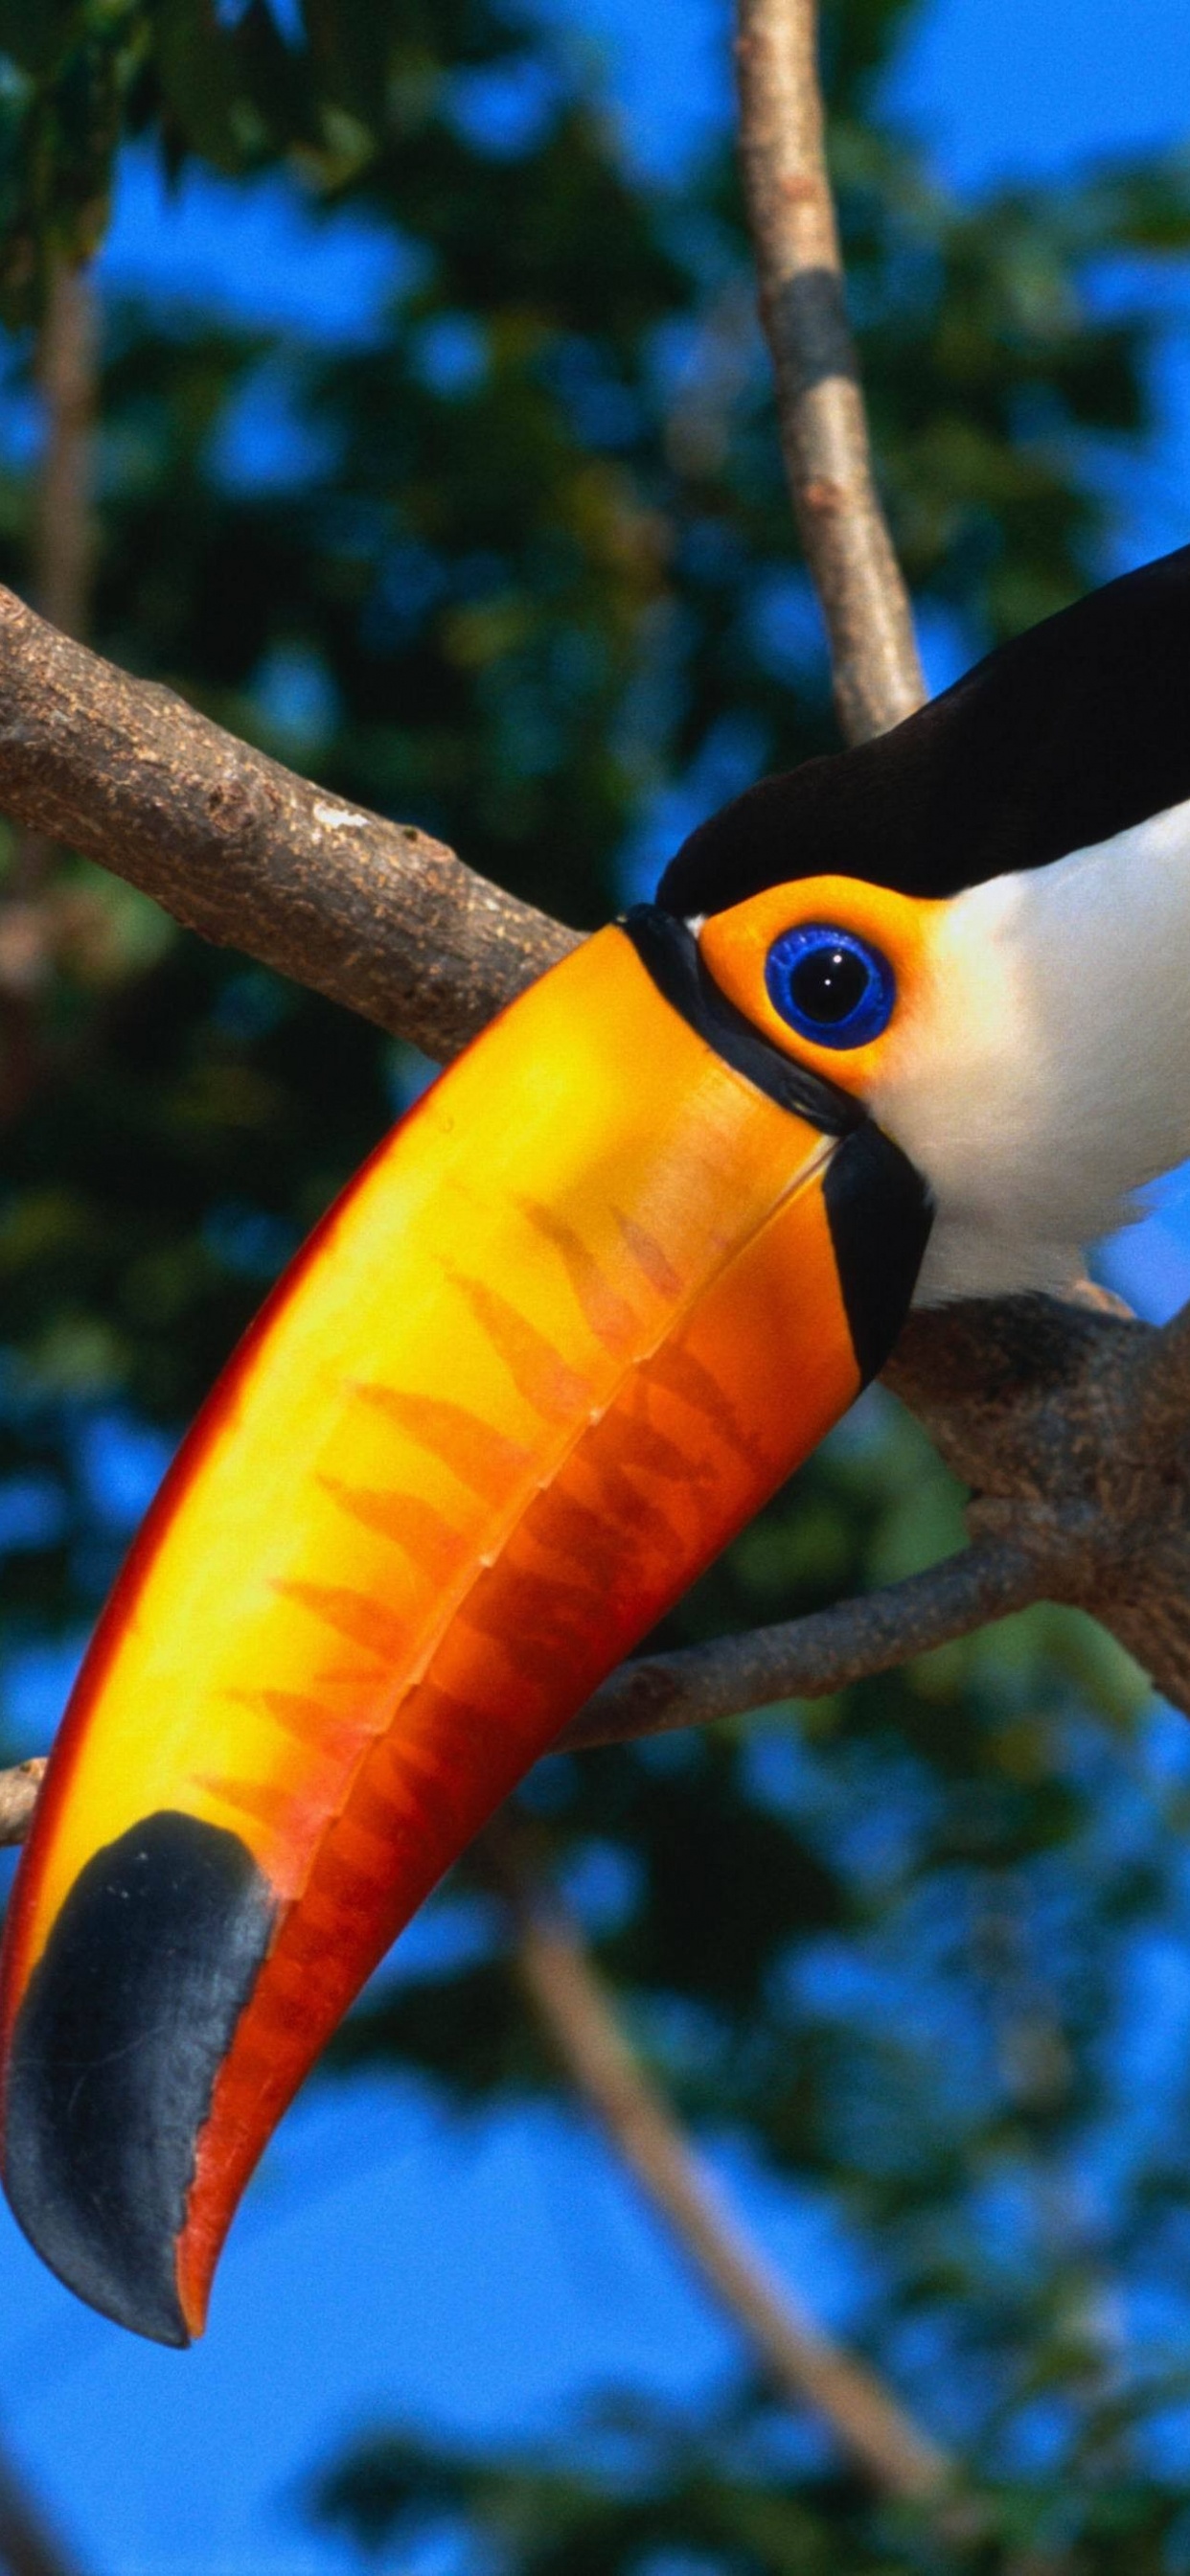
(375, 915)
(1071, 1428)
(824, 432)
(798, 1659)
(578, 2017)
(807, 1658)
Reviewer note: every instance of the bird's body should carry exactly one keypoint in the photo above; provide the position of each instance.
(909, 1021)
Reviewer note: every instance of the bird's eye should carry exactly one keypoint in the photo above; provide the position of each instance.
(829, 985)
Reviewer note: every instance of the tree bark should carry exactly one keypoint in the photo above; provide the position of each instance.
(376, 915)
(820, 405)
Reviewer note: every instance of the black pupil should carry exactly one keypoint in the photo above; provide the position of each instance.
(828, 984)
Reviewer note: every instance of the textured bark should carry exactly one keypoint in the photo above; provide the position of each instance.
(1073, 1430)
(18, 1798)
(376, 915)
(820, 406)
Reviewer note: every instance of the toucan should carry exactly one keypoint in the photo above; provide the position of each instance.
(910, 1021)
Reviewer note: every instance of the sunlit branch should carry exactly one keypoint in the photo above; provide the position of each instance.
(376, 915)
(824, 430)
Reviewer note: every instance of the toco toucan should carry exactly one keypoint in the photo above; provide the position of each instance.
(912, 1019)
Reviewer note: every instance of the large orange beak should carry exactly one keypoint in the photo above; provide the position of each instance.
(573, 1322)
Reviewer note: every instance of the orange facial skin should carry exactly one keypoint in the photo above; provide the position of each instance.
(570, 1326)
(735, 946)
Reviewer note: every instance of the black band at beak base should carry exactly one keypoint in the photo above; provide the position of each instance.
(669, 950)
(879, 1208)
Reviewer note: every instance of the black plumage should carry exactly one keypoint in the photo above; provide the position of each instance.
(1056, 741)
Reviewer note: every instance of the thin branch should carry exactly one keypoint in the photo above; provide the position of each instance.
(824, 432)
(376, 915)
(804, 2362)
(808, 1658)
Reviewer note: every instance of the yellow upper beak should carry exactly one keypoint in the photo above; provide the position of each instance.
(565, 1332)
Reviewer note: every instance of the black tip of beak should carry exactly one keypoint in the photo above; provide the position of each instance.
(126, 2020)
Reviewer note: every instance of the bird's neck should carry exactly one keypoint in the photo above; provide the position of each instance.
(1045, 1075)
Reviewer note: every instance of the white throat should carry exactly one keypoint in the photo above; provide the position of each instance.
(1043, 1074)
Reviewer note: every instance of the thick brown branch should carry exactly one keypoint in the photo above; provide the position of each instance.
(1071, 1428)
(824, 435)
(376, 915)
(801, 2360)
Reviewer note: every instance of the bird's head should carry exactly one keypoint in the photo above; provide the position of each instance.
(1005, 883)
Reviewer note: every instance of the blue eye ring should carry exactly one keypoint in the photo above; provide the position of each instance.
(831, 986)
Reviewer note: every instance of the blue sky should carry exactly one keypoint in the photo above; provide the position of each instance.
(388, 2265)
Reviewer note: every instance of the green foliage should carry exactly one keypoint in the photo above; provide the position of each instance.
(641, 2493)
(521, 570)
(661, 2495)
